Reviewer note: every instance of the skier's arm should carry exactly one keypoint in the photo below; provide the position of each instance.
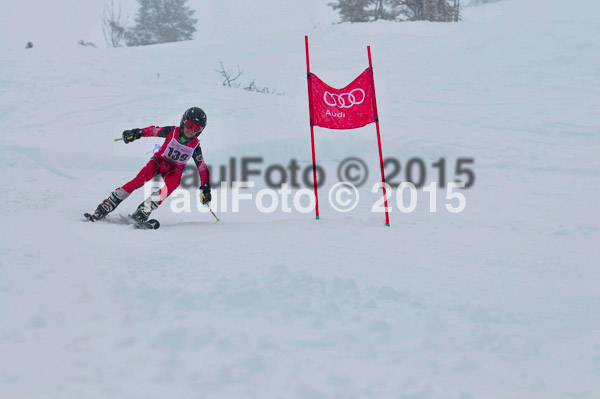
(151, 131)
(155, 131)
(201, 165)
(205, 196)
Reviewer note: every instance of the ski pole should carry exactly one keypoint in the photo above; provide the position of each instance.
(211, 211)
(119, 139)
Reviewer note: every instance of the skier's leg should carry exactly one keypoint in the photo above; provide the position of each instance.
(145, 175)
(172, 179)
(109, 204)
(117, 196)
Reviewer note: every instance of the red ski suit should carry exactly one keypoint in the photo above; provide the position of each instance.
(169, 161)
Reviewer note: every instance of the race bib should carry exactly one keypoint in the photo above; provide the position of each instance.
(177, 152)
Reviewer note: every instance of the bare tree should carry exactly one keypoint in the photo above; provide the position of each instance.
(86, 44)
(113, 25)
(253, 87)
(228, 76)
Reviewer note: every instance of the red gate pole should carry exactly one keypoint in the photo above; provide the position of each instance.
(312, 129)
(387, 217)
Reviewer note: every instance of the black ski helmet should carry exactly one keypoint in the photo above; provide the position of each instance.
(194, 115)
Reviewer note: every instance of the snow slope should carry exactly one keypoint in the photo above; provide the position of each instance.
(499, 301)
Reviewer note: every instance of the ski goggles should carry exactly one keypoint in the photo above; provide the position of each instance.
(193, 126)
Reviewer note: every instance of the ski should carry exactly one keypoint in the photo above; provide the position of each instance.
(151, 224)
(89, 217)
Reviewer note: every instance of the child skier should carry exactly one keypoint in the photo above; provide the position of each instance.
(181, 144)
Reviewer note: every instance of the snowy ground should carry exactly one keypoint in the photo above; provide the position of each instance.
(499, 301)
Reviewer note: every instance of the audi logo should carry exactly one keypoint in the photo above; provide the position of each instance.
(344, 100)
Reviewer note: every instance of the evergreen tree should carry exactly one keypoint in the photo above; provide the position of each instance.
(351, 10)
(412, 10)
(161, 21)
(365, 10)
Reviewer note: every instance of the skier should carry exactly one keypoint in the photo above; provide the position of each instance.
(181, 144)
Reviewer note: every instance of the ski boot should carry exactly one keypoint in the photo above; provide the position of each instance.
(142, 213)
(108, 205)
